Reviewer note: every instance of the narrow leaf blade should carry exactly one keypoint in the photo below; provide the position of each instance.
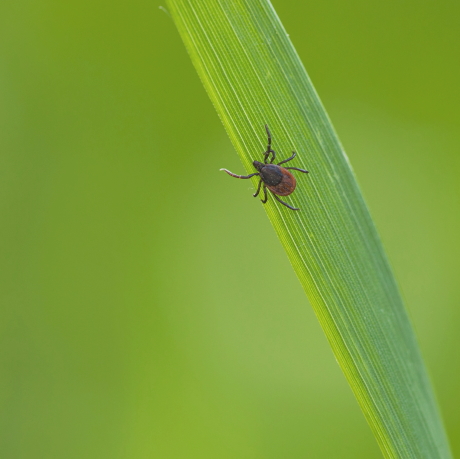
(254, 77)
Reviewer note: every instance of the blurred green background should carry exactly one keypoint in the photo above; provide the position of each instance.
(147, 308)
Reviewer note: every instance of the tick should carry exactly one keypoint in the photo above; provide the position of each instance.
(274, 177)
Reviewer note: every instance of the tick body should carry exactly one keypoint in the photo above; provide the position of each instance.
(272, 176)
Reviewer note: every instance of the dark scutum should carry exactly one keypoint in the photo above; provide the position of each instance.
(271, 175)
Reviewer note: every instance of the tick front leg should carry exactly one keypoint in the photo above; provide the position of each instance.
(239, 176)
(267, 156)
(284, 203)
(269, 147)
(258, 189)
(269, 138)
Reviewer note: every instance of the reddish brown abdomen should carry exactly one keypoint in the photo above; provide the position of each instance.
(286, 186)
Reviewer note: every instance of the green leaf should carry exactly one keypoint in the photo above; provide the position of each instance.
(254, 77)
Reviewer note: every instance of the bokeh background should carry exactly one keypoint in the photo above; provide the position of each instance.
(147, 308)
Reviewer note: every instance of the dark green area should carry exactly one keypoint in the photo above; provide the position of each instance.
(148, 309)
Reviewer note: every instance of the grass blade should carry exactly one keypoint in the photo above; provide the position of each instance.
(254, 77)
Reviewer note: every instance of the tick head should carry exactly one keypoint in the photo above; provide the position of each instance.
(258, 165)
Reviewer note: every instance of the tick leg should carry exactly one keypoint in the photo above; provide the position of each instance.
(265, 195)
(286, 160)
(297, 169)
(269, 147)
(267, 155)
(284, 203)
(269, 137)
(258, 189)
(239, 176)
